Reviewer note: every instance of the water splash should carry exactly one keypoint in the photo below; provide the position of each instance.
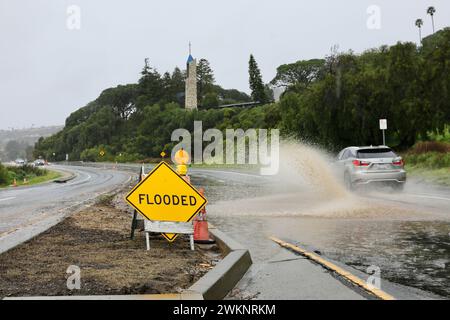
(311, 167)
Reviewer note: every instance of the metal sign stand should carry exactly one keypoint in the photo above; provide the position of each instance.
(168, 227)
(133, 224)
(134, 221)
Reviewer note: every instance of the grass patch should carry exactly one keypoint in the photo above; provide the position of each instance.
(428, 155)
(436, 176)
(429, 161)
(50, 175)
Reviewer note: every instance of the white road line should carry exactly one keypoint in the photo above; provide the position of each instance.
(80, 182)
(426, 196)
(6, 199)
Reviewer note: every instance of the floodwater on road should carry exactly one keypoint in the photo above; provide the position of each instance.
(409, 243)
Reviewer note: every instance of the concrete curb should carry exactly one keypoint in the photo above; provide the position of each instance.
(175, 296)
(67, 176)
(218, 282)
(64, 179)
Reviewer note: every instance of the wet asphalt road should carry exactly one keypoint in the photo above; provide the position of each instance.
(26, 211)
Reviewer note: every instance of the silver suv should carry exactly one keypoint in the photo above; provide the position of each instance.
(367, 165)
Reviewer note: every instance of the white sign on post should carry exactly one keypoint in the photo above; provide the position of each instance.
(383, 127)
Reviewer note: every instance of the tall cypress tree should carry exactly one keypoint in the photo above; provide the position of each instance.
(255, 80)
(150, 84)
(205, 77)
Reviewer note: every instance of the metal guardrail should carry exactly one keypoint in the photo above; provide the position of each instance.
(107, 165)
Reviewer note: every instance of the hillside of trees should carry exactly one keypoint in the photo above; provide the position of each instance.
(335, 102)
(135, 121)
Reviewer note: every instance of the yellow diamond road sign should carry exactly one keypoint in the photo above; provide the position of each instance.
(165, 196)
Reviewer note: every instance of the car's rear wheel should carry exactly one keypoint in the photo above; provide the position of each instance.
(348, 182)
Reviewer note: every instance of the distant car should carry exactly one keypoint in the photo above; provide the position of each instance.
(19, 162)
(39, 162)
(371, 165)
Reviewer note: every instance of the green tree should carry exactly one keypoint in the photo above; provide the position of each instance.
(150, 86)
(405, 93)
(255, 81)
(4, 175)
(205, 77)
(210, 100)
(268, 92)
(431, 11)
(121, 99)
(435, 83)
(299, 75)
(177, 83)
(419, 24)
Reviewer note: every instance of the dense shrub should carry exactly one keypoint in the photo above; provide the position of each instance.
(443, 135)
(127, 157)
(4, 175)
(94, 154)
(430, 146)
(27, 171)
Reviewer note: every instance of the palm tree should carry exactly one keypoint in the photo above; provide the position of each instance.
(419, 24)
(431, 11)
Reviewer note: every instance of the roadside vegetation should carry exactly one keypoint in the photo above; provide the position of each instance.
(334, 102)
(429, 161)
(25, 175)
(4, 175)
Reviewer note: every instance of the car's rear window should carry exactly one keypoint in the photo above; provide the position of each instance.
(375, 153)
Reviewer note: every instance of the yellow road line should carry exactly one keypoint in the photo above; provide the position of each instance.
(331, 266)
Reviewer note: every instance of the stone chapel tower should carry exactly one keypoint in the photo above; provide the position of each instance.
(191, 83)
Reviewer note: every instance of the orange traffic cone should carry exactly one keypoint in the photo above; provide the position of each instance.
(14, 183)
(201, 232)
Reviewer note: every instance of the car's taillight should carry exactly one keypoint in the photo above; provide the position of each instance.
(398, 162)
(359, 163)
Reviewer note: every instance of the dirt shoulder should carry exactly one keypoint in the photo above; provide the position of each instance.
(96, 239)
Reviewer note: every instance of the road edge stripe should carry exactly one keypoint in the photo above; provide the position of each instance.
(331, 266)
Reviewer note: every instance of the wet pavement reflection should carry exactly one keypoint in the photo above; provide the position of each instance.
(410, 248)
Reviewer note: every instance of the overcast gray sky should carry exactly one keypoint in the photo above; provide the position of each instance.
(48, 71)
